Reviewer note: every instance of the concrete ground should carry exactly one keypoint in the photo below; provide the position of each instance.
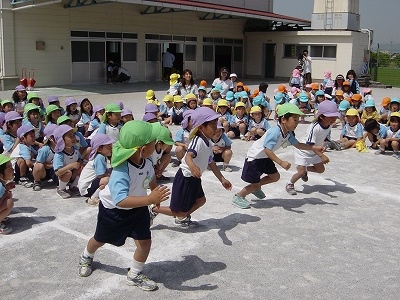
(338, 238)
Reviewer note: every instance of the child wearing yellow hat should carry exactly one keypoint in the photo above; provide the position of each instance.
(166, 109)
(225, 114)
(352, 130)
(238, 122)
(178, 110)
(123, 206)
(258, 124)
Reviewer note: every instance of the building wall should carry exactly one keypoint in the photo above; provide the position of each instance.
(261, 5)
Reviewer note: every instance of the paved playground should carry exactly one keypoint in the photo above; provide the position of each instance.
(338, 238)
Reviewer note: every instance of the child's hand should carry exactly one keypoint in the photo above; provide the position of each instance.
(159, 194)
(324, 159)
(285, 164)
(216, 149)
(196, 172)
(317, 149)
(226, 184)
(75, 165)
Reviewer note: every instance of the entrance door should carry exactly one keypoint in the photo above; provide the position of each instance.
(223, 58)
(177, 51)
(269, 60)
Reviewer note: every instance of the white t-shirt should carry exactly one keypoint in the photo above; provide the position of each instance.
(93, 168)
(203, 155)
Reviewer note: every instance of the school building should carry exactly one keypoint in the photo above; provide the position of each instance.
(63, 42)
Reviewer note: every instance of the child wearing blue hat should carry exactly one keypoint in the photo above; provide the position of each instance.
(261, 159)
(187, 193)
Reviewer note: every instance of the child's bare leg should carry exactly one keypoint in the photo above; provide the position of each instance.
(242, 128)
(39, 172)
(226, 126)
(165, 210)
(142, 250)
(23, 168)
(93, 245)
(395, 146)
(301, 171)
(164, 161)
(270, 178)
(260, 132)
(227, 155)
(5, 207)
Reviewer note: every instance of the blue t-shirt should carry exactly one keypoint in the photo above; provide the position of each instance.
(2, 190)
(26, 152)
(45, 155)
(63, 158)
(8, 141)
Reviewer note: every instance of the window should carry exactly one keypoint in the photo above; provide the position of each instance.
(190, 52)
(152, 52)
(293, 51)
(208, 52)
(97, 51)
(129, 51)
(79, 51)
(323, 51)
(330, 51)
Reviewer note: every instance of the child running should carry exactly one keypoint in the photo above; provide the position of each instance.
(123, 206)
(261, 159)
(187, 192)
(310, 161)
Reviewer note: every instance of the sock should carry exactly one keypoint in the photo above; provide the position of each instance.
(137, 267)
(62, 185)
(86, 253)
(75, 182)
(96, 193)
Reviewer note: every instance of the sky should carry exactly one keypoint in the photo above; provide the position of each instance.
(372, 16)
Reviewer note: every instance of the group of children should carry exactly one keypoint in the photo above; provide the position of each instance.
(112, 159)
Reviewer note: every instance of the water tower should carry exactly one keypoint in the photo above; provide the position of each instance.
(336, 15)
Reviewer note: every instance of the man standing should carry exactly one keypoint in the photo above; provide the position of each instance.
(307, 67)
(168, 62)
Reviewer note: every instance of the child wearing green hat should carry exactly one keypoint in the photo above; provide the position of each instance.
(32, 117)
(123, 206)
(53, 112)
(111, 121)
(161, 157)
(261, 159)
(7, 105)
(6, 184)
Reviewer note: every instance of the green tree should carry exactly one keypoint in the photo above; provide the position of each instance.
(384, 59)
(396, 60)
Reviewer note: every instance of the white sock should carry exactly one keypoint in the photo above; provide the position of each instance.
(137, 267)
(86, 253)
(62, 185)
(96, 194)
(75, 182)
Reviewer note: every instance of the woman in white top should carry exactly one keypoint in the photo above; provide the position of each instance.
(224, 81)
(187, 85)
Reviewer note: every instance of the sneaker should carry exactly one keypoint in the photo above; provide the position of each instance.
(259, 194)
(4, 229)
(380, 151)
(335, 145)
(304, 177)
(92, 201)
(153, 214)
(163, 178)
(240, 202)
(242, 137)
(186, 222)
(6, 220)
(37, 186)
(227, 169)
(395, 154)
(63, 193)
(176, 164)
(141, 281)
(85, 266)
(290, 189)
(24, 181)
(73, 191)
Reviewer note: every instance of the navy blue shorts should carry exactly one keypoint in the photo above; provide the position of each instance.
(253, 170)
(50, 174)
(235, 130)
(93, 187)
(185, 192)
(115, 225)
(218, 157)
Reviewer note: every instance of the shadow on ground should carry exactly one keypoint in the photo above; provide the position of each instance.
(289, 204)
(327, 189)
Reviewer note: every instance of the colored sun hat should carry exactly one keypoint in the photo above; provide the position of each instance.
(154, 101)
(356, 97)
(303, 97)
(282, 88)
(150, 94)
(243, 94)
(126, 112)
(255, 109)
(219, 125)
(370, 103)
(99, 139)
(207, 101)
(240, 104)
(5, 101)
(346, 83)
(120, 104)
(239, 84)
(148, 117)
(219, 87)
(279, 97)
(344, 105)
(319, 93)
(11, 116)
(259, 100)
(328, 109)
(62, 119)
(165, 136)
(150, 108)
(215, 90)
(133, 135)
(309, 86)
(352, 112)
(233, 75)
(49, 110)
(178, 99)
(4, 159)
(200, 116)
(289, 108)
(31, 96)
(52, 99)
(230, 96)
(29, 107)
(395, 114)
(80, 101)
(173, 78)
(385, 101)
(395, 100)
(168, 98)
(186, 115)
(202, 88)
(2, 117)
(203, 83)
(96, 109)
(49, 130)
(70, 101)
(58, 136)
(20, 88)
(339, 93)
(24, 129)
(339, 77)
(222, 102)
(190, 97)
(366, 90)
(294, 90)
(110, 108)
(314, 86)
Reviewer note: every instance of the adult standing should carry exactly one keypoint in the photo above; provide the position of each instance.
(224, 81)
(307, 67)
(167, 62)
(187, 85)
(351, 76)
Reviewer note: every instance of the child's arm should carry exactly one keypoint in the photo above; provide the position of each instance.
(196, 172)
(69, 167)
(317, 149)
(283, 163)
(225, 183)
